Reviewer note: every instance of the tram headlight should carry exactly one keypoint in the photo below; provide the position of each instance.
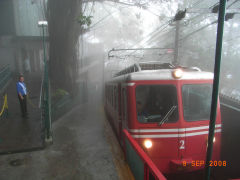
(177, 73)
(147, 143)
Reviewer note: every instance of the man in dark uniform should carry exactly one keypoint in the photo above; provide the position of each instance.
(22, 95)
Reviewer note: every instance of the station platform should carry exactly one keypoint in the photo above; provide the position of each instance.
(19, 134)
(84, 148)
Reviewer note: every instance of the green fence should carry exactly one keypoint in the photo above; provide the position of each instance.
(63, 105)
(134, 161)
(139, 162)
(65, 102)
(5, 76)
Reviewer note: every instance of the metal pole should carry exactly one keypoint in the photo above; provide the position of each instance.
(46, 89)
(44, 53)
(221, 16)
(175, 60)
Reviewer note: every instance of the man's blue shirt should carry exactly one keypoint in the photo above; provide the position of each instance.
(21, 88)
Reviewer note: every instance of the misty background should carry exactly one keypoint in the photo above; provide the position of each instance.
(81, 40)
(150, 24)
(81, 33)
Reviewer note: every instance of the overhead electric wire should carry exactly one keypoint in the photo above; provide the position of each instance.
(197, 29)
(93, 3)
(187, 35)
(153, 32)
(233, 3)
(168, 22)
(197, 2)
(105, 17)
(157, 36)
(83, 11)
(201, 27)
(158, 28)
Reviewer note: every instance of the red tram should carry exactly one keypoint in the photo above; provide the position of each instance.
(166, 109)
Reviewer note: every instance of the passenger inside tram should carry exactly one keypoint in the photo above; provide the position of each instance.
(155, 103)
(141, 114)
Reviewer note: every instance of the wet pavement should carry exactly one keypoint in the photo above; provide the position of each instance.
(84, 148)
(20, 134)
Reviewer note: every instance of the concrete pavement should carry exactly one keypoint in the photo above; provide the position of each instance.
(18, 134)
(80, 151)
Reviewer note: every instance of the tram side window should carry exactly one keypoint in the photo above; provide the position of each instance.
(125, 113)
(115, 98)
(156, 103)
(196, 101)
(106, 93)
(110, 90)
(112, 95)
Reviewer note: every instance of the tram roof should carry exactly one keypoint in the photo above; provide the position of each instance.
(153, 71)
(163, 74)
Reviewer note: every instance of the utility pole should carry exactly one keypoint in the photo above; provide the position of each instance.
(179, 16)
(175, 60)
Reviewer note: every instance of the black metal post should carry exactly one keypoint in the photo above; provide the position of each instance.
(218, 52)
(175, 60)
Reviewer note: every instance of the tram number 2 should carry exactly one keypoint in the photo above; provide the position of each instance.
(182, 144)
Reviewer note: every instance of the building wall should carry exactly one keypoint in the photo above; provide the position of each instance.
(7, 57)
(20, 36)
(27, 13)
(7, 26)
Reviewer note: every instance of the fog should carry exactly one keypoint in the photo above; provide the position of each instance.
(85, 44)
(151, 25)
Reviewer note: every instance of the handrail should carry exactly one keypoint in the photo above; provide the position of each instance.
(153, 168)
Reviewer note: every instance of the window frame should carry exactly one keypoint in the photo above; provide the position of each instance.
(197, 84)
(177, 109)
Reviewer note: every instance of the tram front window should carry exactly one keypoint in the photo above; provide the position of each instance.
(155, 103)
(196, 101)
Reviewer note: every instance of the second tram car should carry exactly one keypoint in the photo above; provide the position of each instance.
(166, 109)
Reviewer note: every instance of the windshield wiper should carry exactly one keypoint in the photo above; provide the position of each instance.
(169, 113)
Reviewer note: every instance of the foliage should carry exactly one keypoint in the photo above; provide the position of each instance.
(59, 93)
(84, 20)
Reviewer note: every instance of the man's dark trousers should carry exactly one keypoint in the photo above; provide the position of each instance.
(23, 105)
